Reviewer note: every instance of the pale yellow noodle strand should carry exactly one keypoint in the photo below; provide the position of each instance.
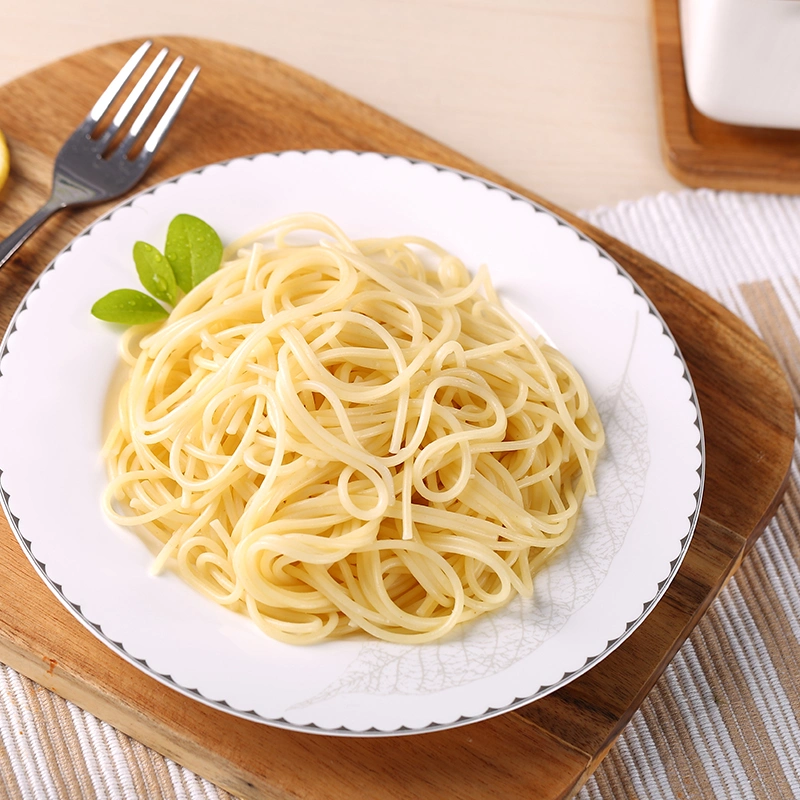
(335, 436)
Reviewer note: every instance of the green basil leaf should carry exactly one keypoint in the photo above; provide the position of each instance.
(194, 250)
(155, 273)
(128, 306)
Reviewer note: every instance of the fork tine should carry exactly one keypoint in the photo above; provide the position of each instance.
(131, 100)
(149, 107)
(164, 124)
(113, 89)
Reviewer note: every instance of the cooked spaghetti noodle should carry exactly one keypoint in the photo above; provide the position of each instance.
(335, 436)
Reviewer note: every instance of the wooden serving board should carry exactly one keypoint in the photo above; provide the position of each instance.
(700, 151)
(245, 103)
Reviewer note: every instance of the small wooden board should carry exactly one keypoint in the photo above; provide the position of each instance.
(700, 151)
(246, 103)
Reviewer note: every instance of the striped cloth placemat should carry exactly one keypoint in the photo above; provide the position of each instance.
(721, 722)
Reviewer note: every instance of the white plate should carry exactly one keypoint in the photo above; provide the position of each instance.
(57, 362)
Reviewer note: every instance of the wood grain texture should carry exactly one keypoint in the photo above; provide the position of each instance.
(246, 103)
(700, 151)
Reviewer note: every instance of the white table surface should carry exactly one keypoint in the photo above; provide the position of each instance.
(558, 95)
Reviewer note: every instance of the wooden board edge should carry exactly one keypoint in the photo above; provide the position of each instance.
(673, 120)
(192, 754)
(686, 159)
(771, 510)
(664, 663)
(747, 543)
(73, 687)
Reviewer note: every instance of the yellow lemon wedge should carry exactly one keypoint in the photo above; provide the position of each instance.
(5, 160)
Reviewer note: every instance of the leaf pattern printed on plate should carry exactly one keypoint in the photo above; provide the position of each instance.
(494, 642)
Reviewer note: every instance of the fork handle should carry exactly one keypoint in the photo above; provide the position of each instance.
(10, 245)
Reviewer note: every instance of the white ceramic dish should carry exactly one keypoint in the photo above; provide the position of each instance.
(742, 60)
(57, 362)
